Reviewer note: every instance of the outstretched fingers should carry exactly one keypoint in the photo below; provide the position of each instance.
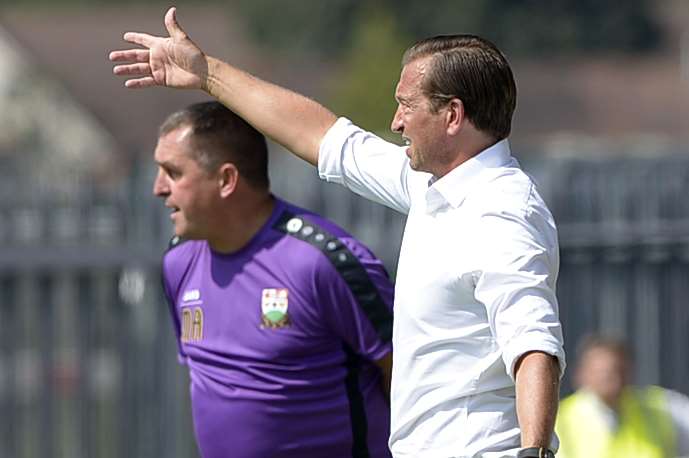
(172, 26)
(132, 69)
(142, 39)
(130, 55)
(140, 82)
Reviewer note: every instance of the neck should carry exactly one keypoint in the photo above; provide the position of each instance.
(469, 146)
(241, 222)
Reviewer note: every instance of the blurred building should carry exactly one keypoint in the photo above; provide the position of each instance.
(87, 364)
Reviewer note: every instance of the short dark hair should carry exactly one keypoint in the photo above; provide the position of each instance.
(473, 70)
(219, 136)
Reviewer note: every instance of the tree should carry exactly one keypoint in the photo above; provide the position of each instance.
(525, 27)
(364, 89)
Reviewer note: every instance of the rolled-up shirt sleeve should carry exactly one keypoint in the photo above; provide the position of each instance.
(366, 164)
(516, 283)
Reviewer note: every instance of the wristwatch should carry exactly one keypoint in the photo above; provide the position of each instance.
(535, 452)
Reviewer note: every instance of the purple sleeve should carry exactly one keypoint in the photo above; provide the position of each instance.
(356, 299)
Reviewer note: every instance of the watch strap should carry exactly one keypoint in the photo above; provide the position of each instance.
(535, 452)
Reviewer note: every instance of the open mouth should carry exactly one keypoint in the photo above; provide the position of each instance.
(173, 209)
(407, 143)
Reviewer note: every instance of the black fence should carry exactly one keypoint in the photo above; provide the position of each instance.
(87, 357)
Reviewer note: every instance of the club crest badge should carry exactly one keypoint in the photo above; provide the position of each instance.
(274, 305)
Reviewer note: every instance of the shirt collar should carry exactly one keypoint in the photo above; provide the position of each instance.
(454, 186)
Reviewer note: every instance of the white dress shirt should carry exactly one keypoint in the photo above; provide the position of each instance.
(475, 290)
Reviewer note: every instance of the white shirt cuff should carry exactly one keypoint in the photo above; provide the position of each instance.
(532, 341)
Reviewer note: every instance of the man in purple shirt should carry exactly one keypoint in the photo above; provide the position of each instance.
(283, 319)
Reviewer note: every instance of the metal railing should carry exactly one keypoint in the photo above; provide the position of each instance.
(87, 357)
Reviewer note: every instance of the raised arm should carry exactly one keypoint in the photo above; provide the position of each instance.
(293, 120)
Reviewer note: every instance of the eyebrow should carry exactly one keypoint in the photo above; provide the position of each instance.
(166, 165)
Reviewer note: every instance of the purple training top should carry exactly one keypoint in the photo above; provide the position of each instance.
(280, 339)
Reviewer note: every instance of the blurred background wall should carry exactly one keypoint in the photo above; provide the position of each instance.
(87, 358)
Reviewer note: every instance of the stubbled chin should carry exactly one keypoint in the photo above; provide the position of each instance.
(180, 232)
(412, 163)
(176, 223)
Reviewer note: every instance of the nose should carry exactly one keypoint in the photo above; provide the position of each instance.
(160, 185)
(396, 125)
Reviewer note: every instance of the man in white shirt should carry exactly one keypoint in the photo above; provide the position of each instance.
(477, 339)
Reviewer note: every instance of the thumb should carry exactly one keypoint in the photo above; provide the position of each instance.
(172, 26)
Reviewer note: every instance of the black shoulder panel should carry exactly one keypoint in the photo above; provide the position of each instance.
(357, 406)
(346, 264)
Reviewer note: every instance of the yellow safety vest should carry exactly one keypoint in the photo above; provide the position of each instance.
(645, 428)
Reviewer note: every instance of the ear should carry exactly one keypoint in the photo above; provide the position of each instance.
(454, 116)
(228, 176)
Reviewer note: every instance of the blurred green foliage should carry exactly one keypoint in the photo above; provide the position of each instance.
(325, 27)
(301, 26)
(523, 27)
(366, 39)
(90, 4)
(364, 88)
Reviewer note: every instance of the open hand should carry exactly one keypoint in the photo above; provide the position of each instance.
(173, 61)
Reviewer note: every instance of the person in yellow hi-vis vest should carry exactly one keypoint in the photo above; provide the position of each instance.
(607, 417)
